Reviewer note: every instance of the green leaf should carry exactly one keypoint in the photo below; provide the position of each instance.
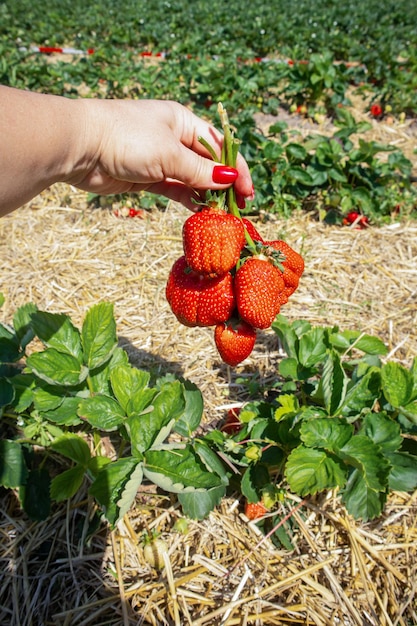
(296, 152)
(99, 377)
(410, 411)
(288, 368)
(371, 345)
(366, 456)
(73, 447)
(22, 323)
(48, 397)
(198, 504)
(210, 460)
(413, 371)
(337, 175)
(102, 412)
(403, 474)
(23, 385)
(154, 425)
(312, 347)
(99, 334)
(285, 331)
(34, 495)
(361, 500)
(309, 471)
(178, 469)
(328, 433)
(127, 383)
(300, 175)
(334, 382)
(397, 384)
(289, 406)
(7, 393)
(13, 469)
(253, 480)
(109, 485)
(383, 431)
(130, 490)
(57, 331)
(57, 367)
(10, 351)
(363, 393)
(66, 414)
(66, 484)
(193, 410)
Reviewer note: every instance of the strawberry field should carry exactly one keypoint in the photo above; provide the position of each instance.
(144, 479)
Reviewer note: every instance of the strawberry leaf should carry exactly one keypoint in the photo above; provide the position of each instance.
(57, 368)
(102, 412)
(198, 504)
(334, 383)
(309, 471)
(66, 484)
(331, 434)
(178, 469)
(99, 334)
(57, 331)
(109, 486)
(397, 384)
(156, 422)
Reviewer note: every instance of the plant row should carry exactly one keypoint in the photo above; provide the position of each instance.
(337, 419)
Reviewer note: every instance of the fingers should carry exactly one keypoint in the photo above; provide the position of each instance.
(193, 128)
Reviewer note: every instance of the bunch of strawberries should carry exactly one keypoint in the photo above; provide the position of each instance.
(228, 276)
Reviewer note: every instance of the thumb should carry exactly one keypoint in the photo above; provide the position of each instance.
(199, 172)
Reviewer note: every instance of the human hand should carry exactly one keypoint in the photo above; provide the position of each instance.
(153, 145)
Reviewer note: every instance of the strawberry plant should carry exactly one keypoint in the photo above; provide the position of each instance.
(341, 420)
(332, 175)
(337, 418)
(59, 402)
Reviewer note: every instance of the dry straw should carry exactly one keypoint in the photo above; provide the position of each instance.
(65, 257)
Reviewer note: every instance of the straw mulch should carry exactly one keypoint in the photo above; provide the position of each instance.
(65, 257)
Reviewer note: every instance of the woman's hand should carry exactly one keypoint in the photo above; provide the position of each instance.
(154, 145)
(108, 147)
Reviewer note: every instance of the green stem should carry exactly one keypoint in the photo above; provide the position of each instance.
(230, 148)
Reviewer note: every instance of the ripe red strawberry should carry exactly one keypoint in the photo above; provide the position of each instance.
(292, 266)
(258, 286)
(293, 260)
(213, 240)
(255, 236)
(232, 424)
(354, 217)
(255, 510)
(234, 341)
(198, 300)
(376, 110)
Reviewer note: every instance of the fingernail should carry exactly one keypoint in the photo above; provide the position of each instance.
(252, 195)
(223, 174)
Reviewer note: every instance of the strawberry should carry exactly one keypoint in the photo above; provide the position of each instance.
(360, 221)
(212, 241)
(376, 110)
(293, 260)
(198, 300)
(255, 236)
(232, 424)
(258, 285)
(255, 510)
(292, 267)
(234, 341)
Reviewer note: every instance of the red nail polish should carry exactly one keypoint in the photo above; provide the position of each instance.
(224, 175)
